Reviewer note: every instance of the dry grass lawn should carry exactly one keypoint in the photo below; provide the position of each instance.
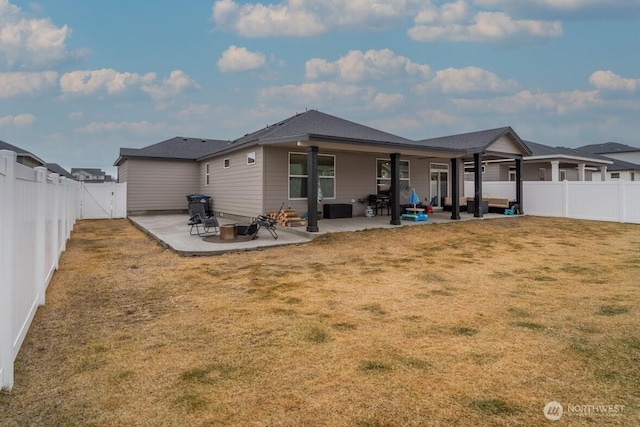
(469, 324)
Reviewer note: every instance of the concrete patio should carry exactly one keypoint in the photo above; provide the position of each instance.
(172, 231)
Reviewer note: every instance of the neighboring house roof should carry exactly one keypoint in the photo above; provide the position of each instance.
(180, 148)
(88, 171)
(56, 168)
(21, 152)
(474, 142)
(607, 148)
(620, 165)
(546, 152)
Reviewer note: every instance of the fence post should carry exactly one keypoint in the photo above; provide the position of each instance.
(565, 199)
(41, 241)
(623, 212)
(53, 214)
(7, 275)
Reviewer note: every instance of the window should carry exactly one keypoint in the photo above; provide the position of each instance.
(207, 174)
(227, 163)
(298, 175)
(251, 158)
(563, 175)
(633, 176)
(615, 175)
(542, 174)
(383, 169)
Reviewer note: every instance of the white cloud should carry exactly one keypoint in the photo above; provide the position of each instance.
(484, 27)
(75, 115)
(240, 59)
(177, 82)
(436, 118)
(29, 42)
(561, 102)
(611, 81)
(111, 82)
(21, 120)
(15, 84)
(91, 82)
(319, 94)
(562, 5)
(304, 18)
(466, 80)
(357, 66)
(284, 19)
(142, 127)
(387, 101)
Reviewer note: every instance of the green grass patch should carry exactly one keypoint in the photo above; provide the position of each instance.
(375, 309)
(518, 312)
(464, 331)
(612, 310)
(529, 325)
(317, 335)
(344, 326)
(492, 407)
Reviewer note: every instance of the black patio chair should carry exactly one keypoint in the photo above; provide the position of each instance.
(199, 219)
(267, 223)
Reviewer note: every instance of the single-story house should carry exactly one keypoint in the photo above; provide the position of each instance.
(309, 157)
(24, 157)
(548, 163)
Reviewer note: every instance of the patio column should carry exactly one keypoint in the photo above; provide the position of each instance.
(581, 168)
(395, 189)
(603, 173)
(519, 185)
(455, 189)
(555, 170)
(477, 177)
(312, 189)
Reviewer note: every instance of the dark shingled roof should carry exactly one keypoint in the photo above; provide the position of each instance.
(619, 165)
(607, 148)
(472, 141)
(20, 151)
(315, 124)
(179, 147)
(546, 150)
(56, 168)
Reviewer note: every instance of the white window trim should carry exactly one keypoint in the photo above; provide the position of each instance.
(207, 174)
(251, 156)
(289, 176)
(563, 172)
(226, 163)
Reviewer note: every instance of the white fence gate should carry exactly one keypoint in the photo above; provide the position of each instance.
(103, 200)
(37, 213)
(617, 201)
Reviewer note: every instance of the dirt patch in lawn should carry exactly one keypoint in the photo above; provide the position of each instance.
(471, 323)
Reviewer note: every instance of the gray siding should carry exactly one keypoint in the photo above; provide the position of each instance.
(505, 145)
(355, 179)
(238, 189)
(123, 171)
(157, 185)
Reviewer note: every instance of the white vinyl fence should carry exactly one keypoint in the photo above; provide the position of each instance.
(37, 214)
(617, 201)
